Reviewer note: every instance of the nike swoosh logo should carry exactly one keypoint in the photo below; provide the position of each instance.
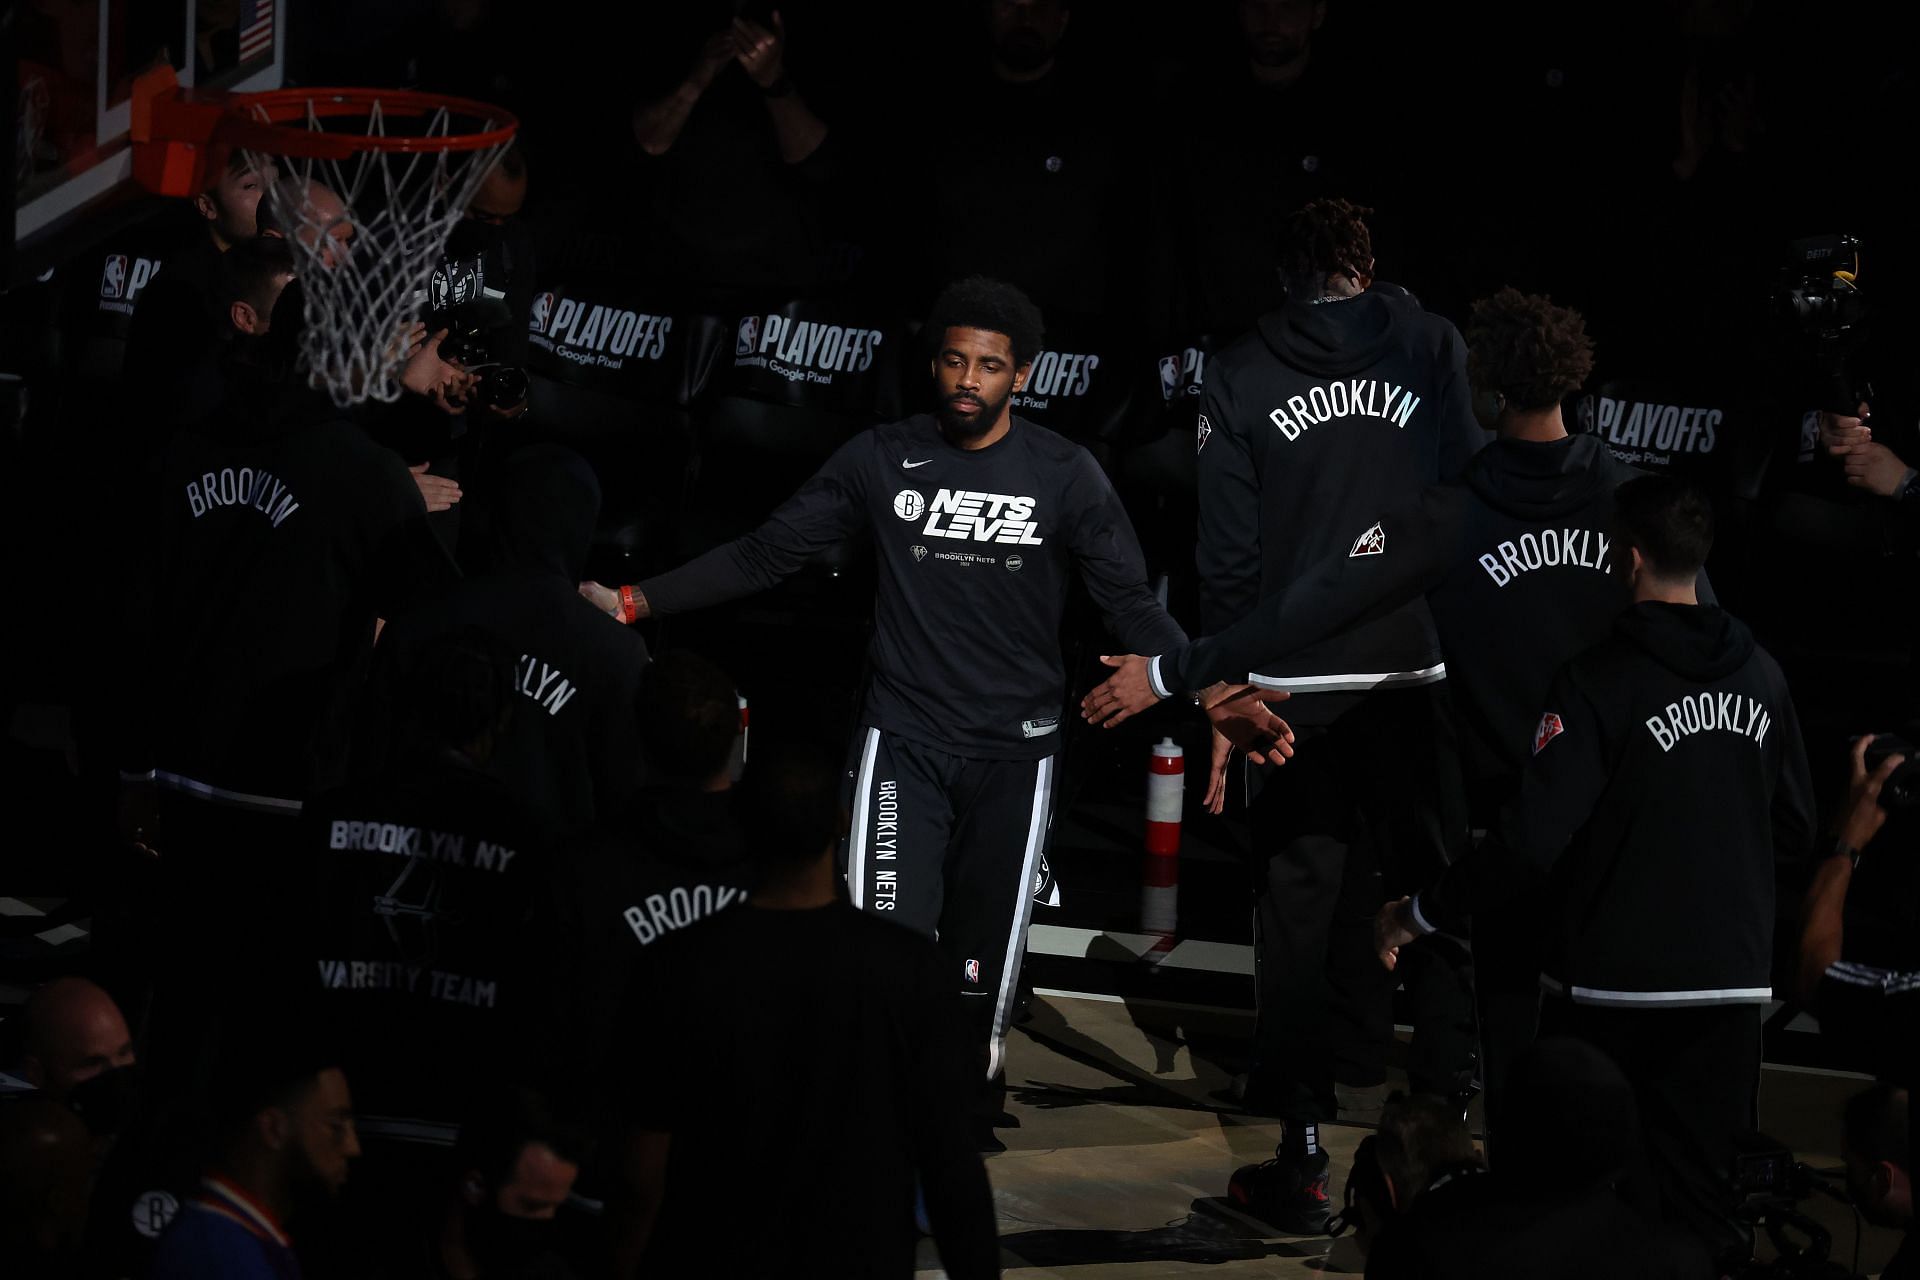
(908, 466)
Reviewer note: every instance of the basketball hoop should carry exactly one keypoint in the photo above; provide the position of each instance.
(404, 165)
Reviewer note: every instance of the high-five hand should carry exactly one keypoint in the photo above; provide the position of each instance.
(1126, 693)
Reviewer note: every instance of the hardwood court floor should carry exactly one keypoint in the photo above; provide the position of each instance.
(1120, 1165)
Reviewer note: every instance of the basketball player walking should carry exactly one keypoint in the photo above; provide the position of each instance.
(978, 516)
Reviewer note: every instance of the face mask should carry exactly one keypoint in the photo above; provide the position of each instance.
(503, 1244)
(107, 1102)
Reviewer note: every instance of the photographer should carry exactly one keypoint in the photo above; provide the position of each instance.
(1873, 466)
(1858, 952)
(481, 294)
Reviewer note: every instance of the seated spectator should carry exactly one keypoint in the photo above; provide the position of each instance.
(674, 855)
(426, 877)
(569, 751)
(1554, 1204)
(826, 1041)
(283, 1137)
(1876, 1144)
(74, 1035)
(514, 1167)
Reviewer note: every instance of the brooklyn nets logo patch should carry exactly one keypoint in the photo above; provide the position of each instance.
(1550, 728)
(1371, 543)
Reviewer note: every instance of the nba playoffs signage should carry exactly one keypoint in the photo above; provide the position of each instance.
(611, 340)
(816, 356)
(1659, 426)
(1077, 385)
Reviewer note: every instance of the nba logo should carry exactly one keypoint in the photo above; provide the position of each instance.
(973, 972)
(113, 281)
(748, 338)
(1169, 376)
(542, 312)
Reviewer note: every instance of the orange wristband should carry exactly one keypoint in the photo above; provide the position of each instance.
(629, 612)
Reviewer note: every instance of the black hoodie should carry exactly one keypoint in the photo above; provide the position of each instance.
(279, 533)
(672, 856)
(1328, 412)
(571, 749)
(1512, 559)
(1668, 777)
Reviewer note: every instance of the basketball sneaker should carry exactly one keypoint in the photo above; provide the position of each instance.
(1288, 1193)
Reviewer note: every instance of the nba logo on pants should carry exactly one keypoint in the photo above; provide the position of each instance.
(973, 972)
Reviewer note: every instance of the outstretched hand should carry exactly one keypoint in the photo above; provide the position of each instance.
(1242, 720)
(1240, 714)
(1126, 693)
(603, 598)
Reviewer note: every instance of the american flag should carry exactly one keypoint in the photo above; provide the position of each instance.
(256, 28)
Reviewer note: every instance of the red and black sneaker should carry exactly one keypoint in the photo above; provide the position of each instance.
(1288, 1193)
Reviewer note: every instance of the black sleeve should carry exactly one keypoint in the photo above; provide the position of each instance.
(829, 507)
(1341, 592)
(959, 1200)
(1461, 436)
(616, 745)
(1793, 811)
(139, 683)
(1228, 553)
(1559, 788)
(1107, 550)
(408, 563)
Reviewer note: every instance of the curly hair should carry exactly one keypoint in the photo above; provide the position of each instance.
(1322, 238)
(978, 302)
(1530, 351)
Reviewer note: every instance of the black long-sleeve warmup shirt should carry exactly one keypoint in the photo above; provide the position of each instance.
(974, 548)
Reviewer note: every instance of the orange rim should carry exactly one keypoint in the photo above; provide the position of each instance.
(284, 132)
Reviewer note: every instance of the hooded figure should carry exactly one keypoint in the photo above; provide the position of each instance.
(570, 750)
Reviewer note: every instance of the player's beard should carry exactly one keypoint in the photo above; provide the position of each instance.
(959, 428)
(1023, 50)
(1278, 51)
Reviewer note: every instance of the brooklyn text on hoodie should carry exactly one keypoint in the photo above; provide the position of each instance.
(1350, 398)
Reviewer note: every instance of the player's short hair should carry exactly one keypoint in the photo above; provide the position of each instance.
(249, 270)
(506, 1124)
(1322, 238)
(1668, 521)
(792, 804)
(1418, 1136)
(269, 1060)
(978, 302)
(688, 715)
(1875, 1125)
(1530, 351)
(460, 686)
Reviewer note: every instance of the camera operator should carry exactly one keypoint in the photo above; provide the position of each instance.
(1860, 951)
(481, 294)
(1873, 466)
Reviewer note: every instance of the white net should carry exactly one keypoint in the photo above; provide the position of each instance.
(367, 231)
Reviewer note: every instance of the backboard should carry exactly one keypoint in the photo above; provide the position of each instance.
(69, 67)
